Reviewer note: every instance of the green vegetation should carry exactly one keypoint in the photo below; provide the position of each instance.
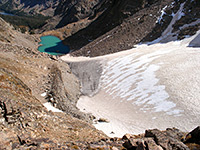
(25, 22)
(22, 20)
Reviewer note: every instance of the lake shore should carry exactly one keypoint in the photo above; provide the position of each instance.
(52, 45)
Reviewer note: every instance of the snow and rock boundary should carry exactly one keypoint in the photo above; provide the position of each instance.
(152, 86)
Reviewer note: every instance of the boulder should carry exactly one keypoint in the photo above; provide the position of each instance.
(193, 136)
(141, 144)
(151, 144)
(163, 139)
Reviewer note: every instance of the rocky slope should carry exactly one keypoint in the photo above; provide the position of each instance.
(128, 22)
(73, 15)
(25, 75)
(31, 7)
(103, 15)
(73, 11)
(109, 33)
(112, 17)
(32, 67)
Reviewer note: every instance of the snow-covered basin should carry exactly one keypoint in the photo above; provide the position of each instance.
(156, 86)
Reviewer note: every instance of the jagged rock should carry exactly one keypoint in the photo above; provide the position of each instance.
(141, 144)
(164, 140)
(129, 136)
(175, 133)
(193, 136)
(132, 143)
(151, 145)
(103, 120)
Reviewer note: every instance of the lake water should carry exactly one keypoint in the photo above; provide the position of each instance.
(8, 14)
(52, 45)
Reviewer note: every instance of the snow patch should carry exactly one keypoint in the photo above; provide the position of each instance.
(44, 94)
(162, 14)
(133, 78)
(167, 35)
(49, 107)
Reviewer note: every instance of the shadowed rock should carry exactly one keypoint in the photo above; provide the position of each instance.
(88, 73)
(165, 140)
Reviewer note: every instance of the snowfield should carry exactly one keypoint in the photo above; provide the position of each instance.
(151, 86)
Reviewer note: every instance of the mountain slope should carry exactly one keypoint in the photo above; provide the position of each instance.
(101, 16)
(26, 76)
(81, 13)
(147, 24)
(114, 15)
(32, 7)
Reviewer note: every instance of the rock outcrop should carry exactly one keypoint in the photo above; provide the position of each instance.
(64, 94)
(170, 139)
(89, 74)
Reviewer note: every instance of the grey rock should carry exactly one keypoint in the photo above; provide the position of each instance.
(151, 145)
(141, 144)
(65, 96)
(88, 74)
(166, 142)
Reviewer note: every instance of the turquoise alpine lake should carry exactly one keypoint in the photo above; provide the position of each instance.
(52, 45)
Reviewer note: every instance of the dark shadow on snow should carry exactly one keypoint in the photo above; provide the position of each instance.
(195, 42)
